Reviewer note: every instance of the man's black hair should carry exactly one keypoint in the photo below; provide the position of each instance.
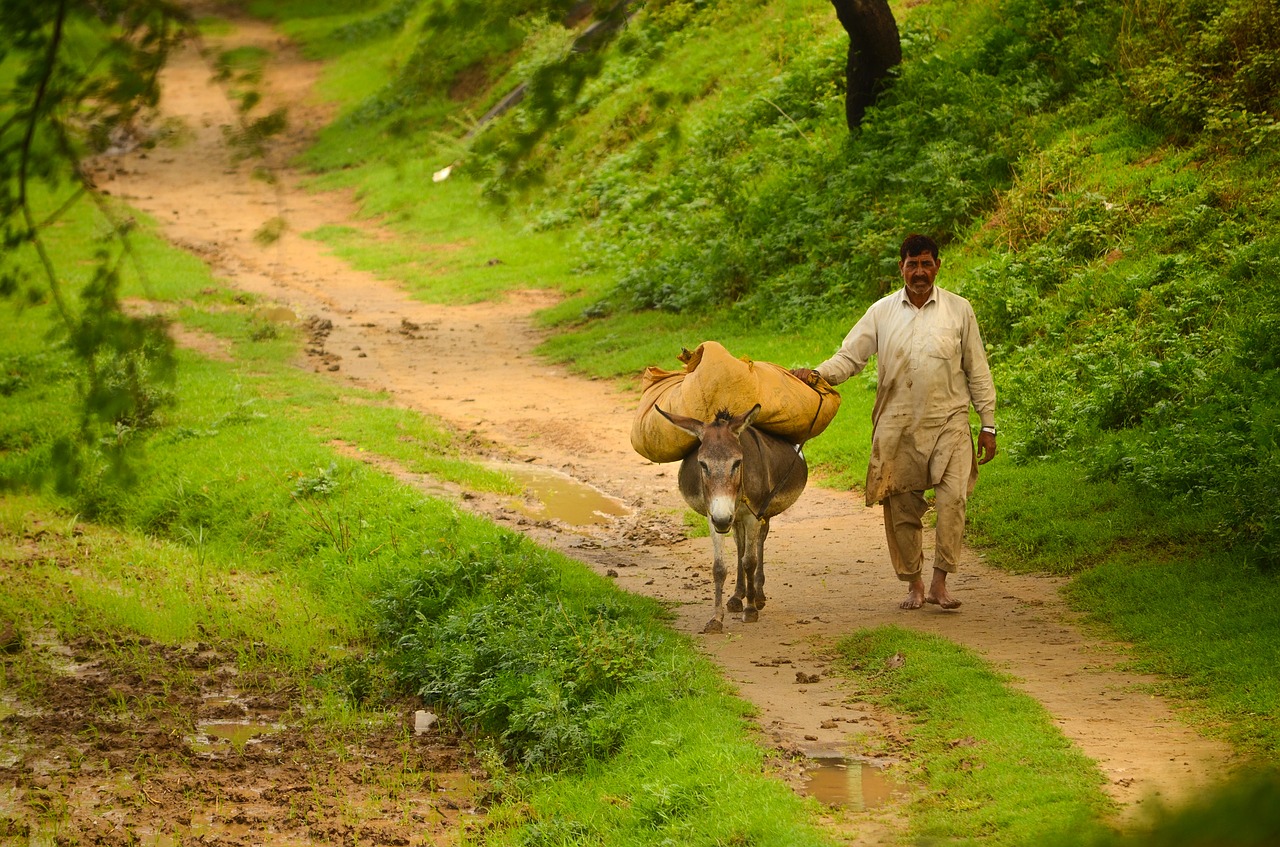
(915, 244)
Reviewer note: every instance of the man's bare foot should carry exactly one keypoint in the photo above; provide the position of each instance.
(915, 595)
(938, 594)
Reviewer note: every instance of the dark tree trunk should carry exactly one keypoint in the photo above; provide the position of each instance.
(874, 48)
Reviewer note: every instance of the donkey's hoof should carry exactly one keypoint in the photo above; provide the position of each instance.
(760, 601)
(750, 615)
(713, 626)
(734, 604)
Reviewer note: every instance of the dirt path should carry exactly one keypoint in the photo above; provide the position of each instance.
(829, 573)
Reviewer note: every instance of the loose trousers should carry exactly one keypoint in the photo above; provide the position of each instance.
(904, 513)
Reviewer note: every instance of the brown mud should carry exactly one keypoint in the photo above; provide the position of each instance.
(473, 366)
(143, 744)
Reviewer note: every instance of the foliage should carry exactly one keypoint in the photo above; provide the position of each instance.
(322, 484)
(494, 635)
(77, 76)
(462, 48)
(758, 217)
(1208, 70)
(1132, 330)
(561, 77)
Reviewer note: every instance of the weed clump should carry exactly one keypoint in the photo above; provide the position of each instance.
(492, 635)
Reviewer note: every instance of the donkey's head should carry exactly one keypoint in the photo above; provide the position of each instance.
(719, 457)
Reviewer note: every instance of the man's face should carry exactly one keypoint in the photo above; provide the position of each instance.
(918, 273)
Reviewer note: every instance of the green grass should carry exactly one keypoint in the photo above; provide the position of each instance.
(695, 525)
(171, 591)
(994, 768)
(1204, 622)
(684, 757)
(1048, 517)
(449, 249)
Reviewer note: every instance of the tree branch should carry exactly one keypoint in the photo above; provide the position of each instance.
(24, 201)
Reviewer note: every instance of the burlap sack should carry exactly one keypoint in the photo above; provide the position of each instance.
(715, 380)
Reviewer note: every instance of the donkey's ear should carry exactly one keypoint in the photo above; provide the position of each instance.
(744, 420)
(693, 426)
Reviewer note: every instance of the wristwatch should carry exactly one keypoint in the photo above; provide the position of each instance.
(990, 429)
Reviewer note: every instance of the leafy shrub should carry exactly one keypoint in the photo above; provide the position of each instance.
(1162, 372)
(758, 217)
(490, 635)
(323, 483)
(1212, 68)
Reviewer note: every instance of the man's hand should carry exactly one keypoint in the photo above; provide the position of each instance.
(986, 447)
(805, 375)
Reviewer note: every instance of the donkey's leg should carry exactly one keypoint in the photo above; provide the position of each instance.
(740, 588)
(718, 572)
(748, 530)
(759, 580)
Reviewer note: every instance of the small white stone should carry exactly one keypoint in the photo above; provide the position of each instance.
(423, 721)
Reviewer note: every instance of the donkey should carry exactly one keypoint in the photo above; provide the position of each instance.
(739, 477)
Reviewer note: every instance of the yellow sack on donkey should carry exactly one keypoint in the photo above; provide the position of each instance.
(715, 380)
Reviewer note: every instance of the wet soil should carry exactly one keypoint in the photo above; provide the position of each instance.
(473, 367)
(139, 743)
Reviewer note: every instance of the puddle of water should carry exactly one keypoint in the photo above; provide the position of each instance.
(848, 783)
(239, 733)
(561, 497)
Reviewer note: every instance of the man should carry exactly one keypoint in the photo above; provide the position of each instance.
(931, 365)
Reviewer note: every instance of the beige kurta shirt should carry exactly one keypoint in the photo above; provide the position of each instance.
(931, 366)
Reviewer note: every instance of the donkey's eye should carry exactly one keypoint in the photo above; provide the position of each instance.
(705, 467)
(737, 466)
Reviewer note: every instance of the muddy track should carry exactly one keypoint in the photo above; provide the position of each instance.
(472, 366)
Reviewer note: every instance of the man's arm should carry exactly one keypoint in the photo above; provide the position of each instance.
(858, 347)
(982, 388)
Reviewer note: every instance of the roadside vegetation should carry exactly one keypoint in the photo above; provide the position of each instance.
(1102, 177)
